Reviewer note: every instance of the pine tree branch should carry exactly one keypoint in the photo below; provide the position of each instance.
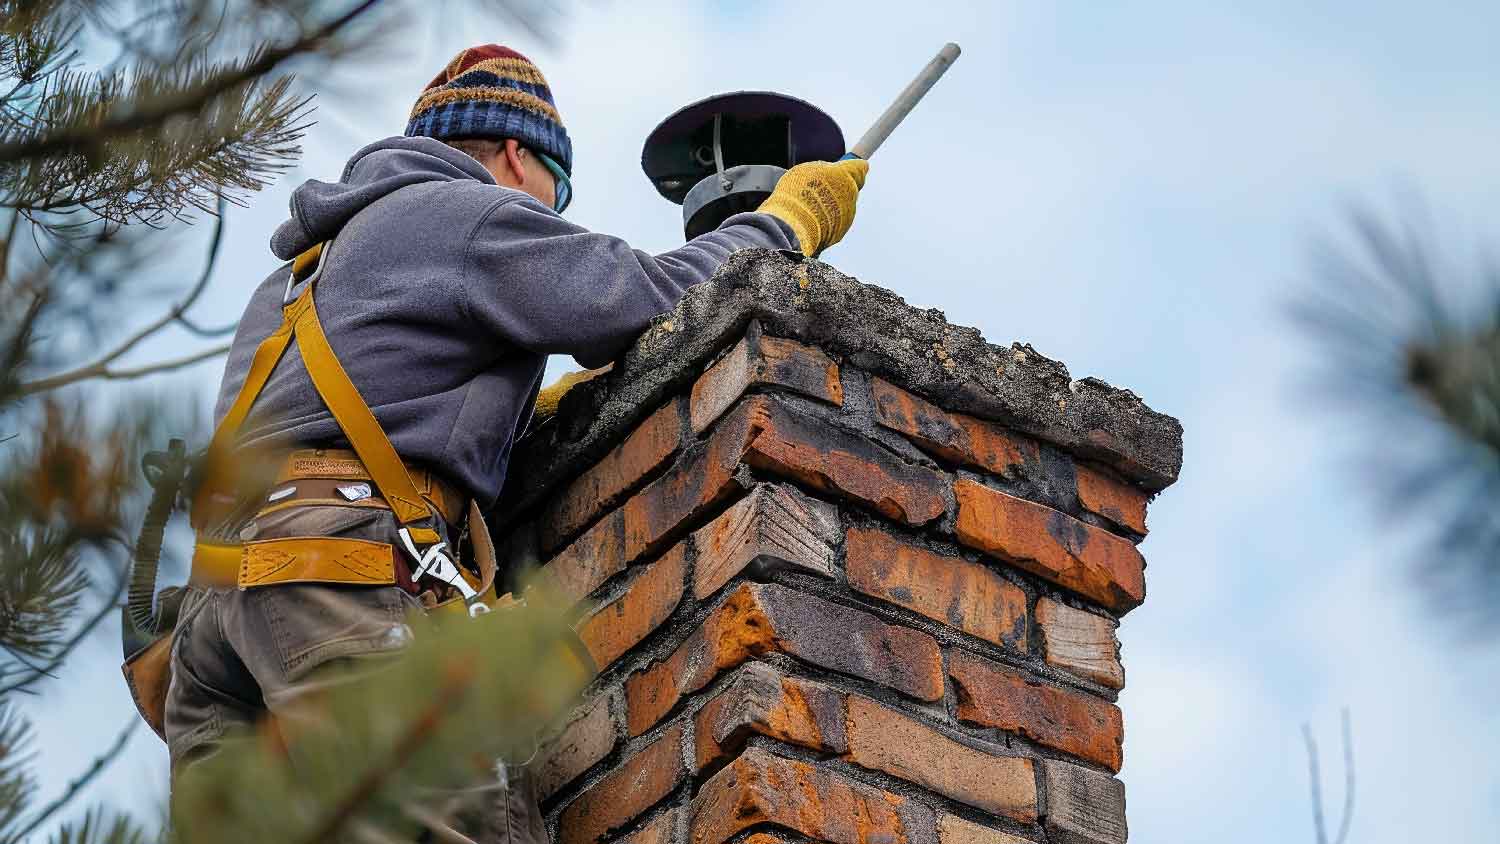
(104, 373)
(149, 116)
(176, 314)
(62, 653)
(75, 787)
(207, 333)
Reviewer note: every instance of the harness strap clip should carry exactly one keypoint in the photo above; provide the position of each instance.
(436, 562)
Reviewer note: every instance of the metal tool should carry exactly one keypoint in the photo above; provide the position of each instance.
(435, 562)
(905, 102)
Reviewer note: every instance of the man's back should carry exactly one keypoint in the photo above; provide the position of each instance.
(442, 295)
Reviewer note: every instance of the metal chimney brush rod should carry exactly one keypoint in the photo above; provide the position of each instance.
(898, 110)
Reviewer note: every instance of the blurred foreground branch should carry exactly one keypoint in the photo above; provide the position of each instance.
(1410, 347)
(451, 707)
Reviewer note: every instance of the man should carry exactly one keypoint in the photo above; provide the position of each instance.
(446, 278)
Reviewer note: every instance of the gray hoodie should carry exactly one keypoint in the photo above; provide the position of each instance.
(443, 295)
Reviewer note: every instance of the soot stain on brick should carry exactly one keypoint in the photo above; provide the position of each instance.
(1070, 533)
(955, 611)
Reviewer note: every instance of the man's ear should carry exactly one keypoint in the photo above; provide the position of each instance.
(511, 156)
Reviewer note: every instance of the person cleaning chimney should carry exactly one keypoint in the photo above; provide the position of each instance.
(445, 274)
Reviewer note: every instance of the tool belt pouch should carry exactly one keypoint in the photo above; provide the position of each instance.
(148, 673)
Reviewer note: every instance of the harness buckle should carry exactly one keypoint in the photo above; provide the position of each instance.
(435, 561)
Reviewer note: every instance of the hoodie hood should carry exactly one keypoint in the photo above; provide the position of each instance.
(320, 209)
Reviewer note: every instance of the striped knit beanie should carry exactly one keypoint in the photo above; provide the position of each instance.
(492, 92)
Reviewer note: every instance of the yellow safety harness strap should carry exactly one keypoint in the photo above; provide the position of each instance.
(348, 407)
(216, 470)
(354, 416)
(262, 364)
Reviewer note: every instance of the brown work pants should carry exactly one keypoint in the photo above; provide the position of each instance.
(240, 654)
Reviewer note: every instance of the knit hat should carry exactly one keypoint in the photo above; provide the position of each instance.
(492, 92)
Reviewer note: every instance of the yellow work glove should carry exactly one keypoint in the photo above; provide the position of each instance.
(817, 199)
(550, 397)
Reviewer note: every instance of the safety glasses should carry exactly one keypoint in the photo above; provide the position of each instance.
(564, 193)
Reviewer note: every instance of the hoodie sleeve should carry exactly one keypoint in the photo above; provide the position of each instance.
(545, 284)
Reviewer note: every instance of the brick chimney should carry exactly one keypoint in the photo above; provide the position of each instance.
(852, 575)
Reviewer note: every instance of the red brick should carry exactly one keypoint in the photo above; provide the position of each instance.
(760, 788)
(702, 478)
(953, 829)
(643, 780)
(964, 595)
(774, 525)
(761, 700)
(1085, 559)
(757, 619)
(593, 558)
(1101, 492)
(953, 437)
(661, 829)
(884, 740)
(647, 602)
(990, 695)
(758, 360)
(833, 460)
(1080, 643)
(582, 743)
(735, 631)
(597, 489)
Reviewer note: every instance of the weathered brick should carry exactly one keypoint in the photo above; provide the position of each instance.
(701, 478)
(1085, 559)
(593, 558)
(954, 437)
(774, 526)
(884, 740)
(762, 700)
(953, 829)
(993, 696)
(582, 742)
(659, 830)
(760, 788)
(732, 633)
(964, 595)
(759, 360)
(1080, 642)
(834, 460)
(757, 619)
(1099, 491)
(644, 779)
(597, 489)
(1083, 806)
(647, 602)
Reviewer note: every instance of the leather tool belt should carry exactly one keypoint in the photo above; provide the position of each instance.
(326, 477)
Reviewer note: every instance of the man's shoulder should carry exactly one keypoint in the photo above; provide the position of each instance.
(467, 193)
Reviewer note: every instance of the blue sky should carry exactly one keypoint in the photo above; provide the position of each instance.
(1131, 188)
